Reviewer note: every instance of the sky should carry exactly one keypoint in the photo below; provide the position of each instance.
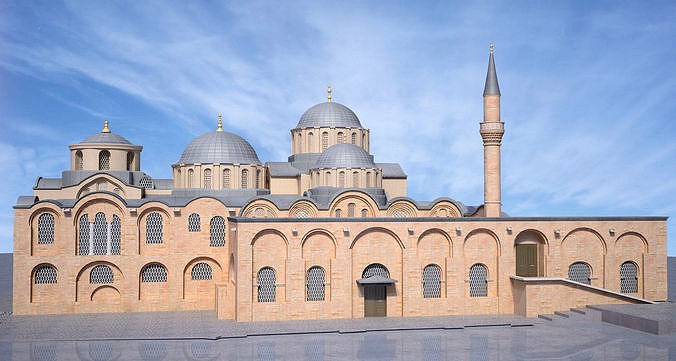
(587, 88)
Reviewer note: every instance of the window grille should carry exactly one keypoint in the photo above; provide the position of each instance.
(245, 178)
(100, 244)
(154, 228)
(191, 173)
(101, 274)
(432, 281)
(340, 137)
(628, 278)
(146, 182)
(84, 234)
(364, 213)
(350, 210)
(201, 272)
(79, 162)
(399, 214)
(325, 141)
(154, 272)
(217, 232)
(338, 213)
(258, 179)
(309, 143)
(341, 180)
(104, 160)
(375, 269)
(354, 138)
(580, 272)
(46, 228)
(115, 235)
(45, 274)
(315, 285)
(194, 224)
(130, 160)
(207, 179)
(368, 179)
(266, 285)
(259, 212)
(226, 178)
(478, 281)
(355, 179)
(302, 214)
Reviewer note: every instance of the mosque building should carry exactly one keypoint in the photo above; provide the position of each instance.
(330, 233)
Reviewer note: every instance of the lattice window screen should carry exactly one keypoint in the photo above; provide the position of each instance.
(350, 210)
(368, 179)
(579, 272)
(341, 180)
(399, 213)
(191, 174)
(46, 228)
(84, 234)
(302, 214)
(115, 235)
(266, 285)
(154, 228)
(354, 138)
(100, 234)
(628, 278)
(325, 141)
(340, 137)
(101, 274)
(146, 182)
(226, 178)
(258, 179)
(45, 274)
(104, 160)
(194, 223)
(154, 273)
(217, 232)
(355, 180)
(375, 269)
(315, 285)
(432, 281)
(478, 281)
(207, 178)
(201, 272)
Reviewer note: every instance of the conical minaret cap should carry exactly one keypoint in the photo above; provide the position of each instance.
(491, 87)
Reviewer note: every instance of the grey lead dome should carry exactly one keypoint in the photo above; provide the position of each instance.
(345, 155)
(219, 147)
(329, 114)
(105, 138)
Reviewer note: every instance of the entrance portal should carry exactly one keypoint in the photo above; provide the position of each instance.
(527, 260)
(375, 301)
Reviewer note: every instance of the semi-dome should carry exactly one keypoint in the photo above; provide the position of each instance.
(329, 114)
(219, 147)
(345, 155)
(105, 137)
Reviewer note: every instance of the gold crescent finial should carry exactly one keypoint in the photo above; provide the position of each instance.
(105, 127)
(220, 123)
(491, 47)
(329, 92)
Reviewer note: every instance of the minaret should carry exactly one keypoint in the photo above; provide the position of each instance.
(491, 131)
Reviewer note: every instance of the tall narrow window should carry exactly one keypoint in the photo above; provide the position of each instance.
(580, 272)
(191, 174)
(309, 143)
(628, 278)
(154, 272)
(104, 160)
(207, 179)
(350, 209)
(245, 178)
(327, 179)
(354, 138)
(368, 179)
(258, 179)
(154, 228)
(226, 179)
(100, 234)
(115, 235)
(266, 285)
(478, 281)
(45, 274)
(338, 213)
(101, 274)
(201, 272)
(84, 234)
(325, 141)
(46, 228)
(315, 285)
(194, 224)
(341, 180)
(341, 138)
(79, 162)
(355, 179)
(217, 232)
(364, 213)
(130, 161)
(431, 281)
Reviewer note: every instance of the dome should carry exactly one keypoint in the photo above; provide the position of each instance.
(329, 114)
(219, 147)
(345, 155)
(107, 138)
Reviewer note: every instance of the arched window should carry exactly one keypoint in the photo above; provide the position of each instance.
(399, 213)
(194, 224)
(299, 143)
(341, 180)
(146, 182)
(101, 274)
(325, 141)
(191, 174)
(258, 179)
(431, 281)
(351, 209)
(355, 179)
(354, 138)
(375, 269)
(115, 235)
(368, 179)
(84, 234)
(309, 143)
(266, 285)
(315, 285)
(154, 228)
(217, 232)
(364, 213)
(226, 179)
(340, 137)
(245, 178)
(46, 228)
(580, 272)
(104, 160)
(327, 179)
(79, 161)
(628, 277)
(100, 236)
(45, 274)
(207, 179)
(201, 272)
(130, 161)
(478, 281)
(338, 213)
(302, 214)
(154, 272)
(363, 141)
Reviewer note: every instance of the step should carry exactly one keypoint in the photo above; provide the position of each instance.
(548, 317)
(562, 314)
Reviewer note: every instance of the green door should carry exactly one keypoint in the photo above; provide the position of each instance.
(375, 301)
(527, 260)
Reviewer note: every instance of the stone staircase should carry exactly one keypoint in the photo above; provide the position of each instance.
(574, 314)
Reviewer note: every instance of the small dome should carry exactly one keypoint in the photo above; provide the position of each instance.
(219, 147)
(329, 114)
(106, 137)
(345, 155)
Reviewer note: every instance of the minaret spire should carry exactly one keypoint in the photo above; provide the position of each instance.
(219, 128)
(491, 86)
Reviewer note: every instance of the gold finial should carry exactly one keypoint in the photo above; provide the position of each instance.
(105, 127)
(491, 47)
(220, 123)
(329, 91)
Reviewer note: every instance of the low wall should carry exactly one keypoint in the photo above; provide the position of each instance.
(535, 296)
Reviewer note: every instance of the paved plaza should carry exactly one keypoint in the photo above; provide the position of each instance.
(200, 336)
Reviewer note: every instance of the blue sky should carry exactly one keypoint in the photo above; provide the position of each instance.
(588, 90)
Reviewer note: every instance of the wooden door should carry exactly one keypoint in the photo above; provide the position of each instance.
(527, 260)
(375, 301)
